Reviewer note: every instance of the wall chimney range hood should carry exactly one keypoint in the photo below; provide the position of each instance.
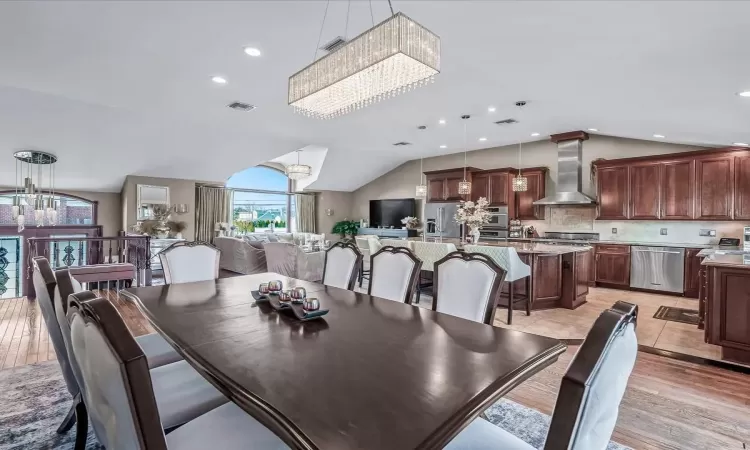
(569, 154)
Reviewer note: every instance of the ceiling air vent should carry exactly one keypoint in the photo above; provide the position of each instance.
(402, 143)
(337, 42)
(506, 122)
(241, 106)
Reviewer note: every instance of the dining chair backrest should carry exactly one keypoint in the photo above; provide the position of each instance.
(117, 390)
(67, 286)
(466, 285)
(505, 257)
(431, 252)
(398, 243)
(185, 262)
(44, 285)
(594, 384)
(393, 274)
(341, 265)
(363, 244)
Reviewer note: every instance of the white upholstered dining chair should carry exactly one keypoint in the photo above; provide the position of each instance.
(368, 245)
(124, 407)
(467, 285)
(341, 266)
(507, 258)
(186, 262)
(393, 274)
(590, 393)
(398, 243)
(429, 253)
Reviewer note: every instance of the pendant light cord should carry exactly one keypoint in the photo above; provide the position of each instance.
(371, 15)
(320, 35)
(346, 27)
(465, 150)
(391, 6)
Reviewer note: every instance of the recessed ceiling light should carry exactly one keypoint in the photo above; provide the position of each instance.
(491, 109)
(441, 121)
(482, 139)
(742, 144)
(252, 51)
(660, 136)
(593, 129)
(219, 80)
(443, 146)
(744, 94)
(534, 134)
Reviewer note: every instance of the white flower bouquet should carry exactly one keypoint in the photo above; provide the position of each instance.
(410, 222)
(473, 215)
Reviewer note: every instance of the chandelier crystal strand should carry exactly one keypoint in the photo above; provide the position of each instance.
(421, 190)
(464, 187)
(387, 60)
(298, 171)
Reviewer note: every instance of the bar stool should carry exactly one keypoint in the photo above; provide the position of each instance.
(507, 258)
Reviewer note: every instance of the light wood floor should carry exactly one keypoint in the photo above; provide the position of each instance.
(669, 404)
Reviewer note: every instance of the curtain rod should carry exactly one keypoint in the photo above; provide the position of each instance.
(257, 191)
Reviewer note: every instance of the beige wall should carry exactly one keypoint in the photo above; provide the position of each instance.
(109, 214)
(400, 182)
(341, 205)
(180, 191)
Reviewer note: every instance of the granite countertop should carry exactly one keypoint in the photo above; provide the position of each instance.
(651, 244)
(716, 250)
(523, 247)
(739, 261)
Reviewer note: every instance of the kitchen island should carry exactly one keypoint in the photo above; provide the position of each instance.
(725, 298)
(559, 274)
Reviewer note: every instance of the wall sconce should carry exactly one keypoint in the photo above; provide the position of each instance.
(329, 212)
(180, 208)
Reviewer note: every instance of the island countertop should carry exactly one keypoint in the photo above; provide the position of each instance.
(741, 261)
(524, 247)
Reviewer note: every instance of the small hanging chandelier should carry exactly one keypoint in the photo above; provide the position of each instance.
(421, 189)
(29, 196)
(389, 59)
(464, 187)
(520, 183)
(298, 171)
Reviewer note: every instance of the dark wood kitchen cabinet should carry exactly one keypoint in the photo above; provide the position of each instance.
(727, 310)
(442, 185)
(676, 189)
(645, 183)
(525, 208)
(613, 264)
(499, 189)
(612, 192)
(692, 272)
(742, 187)
(714, 187)
(480, 186)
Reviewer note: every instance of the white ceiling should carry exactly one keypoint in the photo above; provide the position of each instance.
(118, 88)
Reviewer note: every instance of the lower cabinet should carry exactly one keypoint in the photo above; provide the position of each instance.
(726, 311)
(613, 264)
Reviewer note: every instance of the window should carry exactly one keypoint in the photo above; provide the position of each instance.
(70, 211)
(262, 199)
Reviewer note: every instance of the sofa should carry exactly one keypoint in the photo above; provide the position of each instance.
(289, 238)
(290, 260)
(241, 256)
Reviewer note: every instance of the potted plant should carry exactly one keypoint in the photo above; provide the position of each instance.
(344, 227)
(473, 215)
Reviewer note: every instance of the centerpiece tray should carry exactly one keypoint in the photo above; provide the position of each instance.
(295, 309)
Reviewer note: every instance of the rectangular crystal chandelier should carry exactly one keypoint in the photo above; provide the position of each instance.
(388, 59)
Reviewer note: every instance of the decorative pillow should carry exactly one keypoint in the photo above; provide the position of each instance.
(249, 238)
(285, 237)
(256, 244)
(272, 237)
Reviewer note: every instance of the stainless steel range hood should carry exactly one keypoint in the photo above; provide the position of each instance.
(569, 153)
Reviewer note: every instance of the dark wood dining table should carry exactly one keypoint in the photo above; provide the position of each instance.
(372, 373)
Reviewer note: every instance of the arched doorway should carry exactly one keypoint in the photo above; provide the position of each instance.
(262, 196)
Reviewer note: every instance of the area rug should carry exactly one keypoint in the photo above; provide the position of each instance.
(673, 314)
(34, 402)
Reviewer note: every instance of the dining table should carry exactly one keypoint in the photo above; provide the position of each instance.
(370, 374)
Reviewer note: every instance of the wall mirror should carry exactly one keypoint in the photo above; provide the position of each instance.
(148, 197)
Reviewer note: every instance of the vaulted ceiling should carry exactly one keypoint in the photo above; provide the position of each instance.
(118, 88)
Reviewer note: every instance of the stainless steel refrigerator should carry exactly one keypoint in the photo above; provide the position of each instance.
(439, 221)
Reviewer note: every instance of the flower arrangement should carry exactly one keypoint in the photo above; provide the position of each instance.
(472, 214)
(410, 222)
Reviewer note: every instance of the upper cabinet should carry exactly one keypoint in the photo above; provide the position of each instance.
(704, 185)
(612, 192)
(645, 185)
(525, 208)
(442, 185)
(494, 185)
(714, 188)
(742, 187)
(677, 179)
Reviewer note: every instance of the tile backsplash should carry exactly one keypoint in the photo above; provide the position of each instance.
(582, 218)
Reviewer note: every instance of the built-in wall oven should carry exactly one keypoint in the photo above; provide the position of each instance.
(493, 234)
(498, 217)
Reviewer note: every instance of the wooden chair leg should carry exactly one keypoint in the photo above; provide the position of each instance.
(528, 296)
(510, 303)
(70, 419)
(361, 273)
(82, 425)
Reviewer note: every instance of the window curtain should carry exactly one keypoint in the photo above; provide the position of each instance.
(212, 205)
(305, 214)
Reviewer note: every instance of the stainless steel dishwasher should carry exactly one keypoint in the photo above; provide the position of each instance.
(657, 268)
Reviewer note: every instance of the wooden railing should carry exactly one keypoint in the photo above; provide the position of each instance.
(79, 251)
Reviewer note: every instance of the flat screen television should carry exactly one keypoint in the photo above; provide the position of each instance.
(388, 213)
